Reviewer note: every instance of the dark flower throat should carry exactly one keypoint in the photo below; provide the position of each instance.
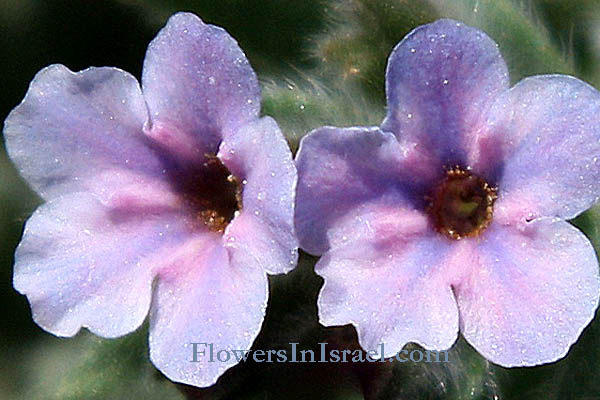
(216, 194)
(461, 205)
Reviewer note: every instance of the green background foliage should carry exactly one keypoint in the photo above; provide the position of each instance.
(320, 62)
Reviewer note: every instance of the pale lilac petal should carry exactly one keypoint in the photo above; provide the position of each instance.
(258, 155)
(209, 298)
(531, 294)
(82, 264)
(198, 85)
(341, 168)
(440, 79)
(392, 283)
(545, 140)
(73, 127)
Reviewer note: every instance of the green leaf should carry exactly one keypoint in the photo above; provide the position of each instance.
(273, 33)
(524, 40)
(301, 107)
(465, 376)
(89, 367)
(589, 223)
(362, 34)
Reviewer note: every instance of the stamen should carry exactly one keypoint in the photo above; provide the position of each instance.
(215, 194)
(462, 204)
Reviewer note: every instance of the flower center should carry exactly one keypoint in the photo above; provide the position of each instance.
(462, 204)
(215, 194)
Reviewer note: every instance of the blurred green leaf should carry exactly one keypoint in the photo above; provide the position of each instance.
(89, 367)
(466, 376)
(301, 107)
(362, 34)
(589, 223)
(575, 28)
(273, 33)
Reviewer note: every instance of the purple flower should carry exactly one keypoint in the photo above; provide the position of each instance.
(173, 198)
(451, 215)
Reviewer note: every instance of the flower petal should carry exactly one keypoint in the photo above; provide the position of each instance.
(82, 264)
(198, 84)
(531, 294)
(207, 299)
(391, 284)
(546, 130)
(440, 79)
(342, 168)
(73, 127)
(258, 155)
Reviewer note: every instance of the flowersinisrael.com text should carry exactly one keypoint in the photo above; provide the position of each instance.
(207, 351)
